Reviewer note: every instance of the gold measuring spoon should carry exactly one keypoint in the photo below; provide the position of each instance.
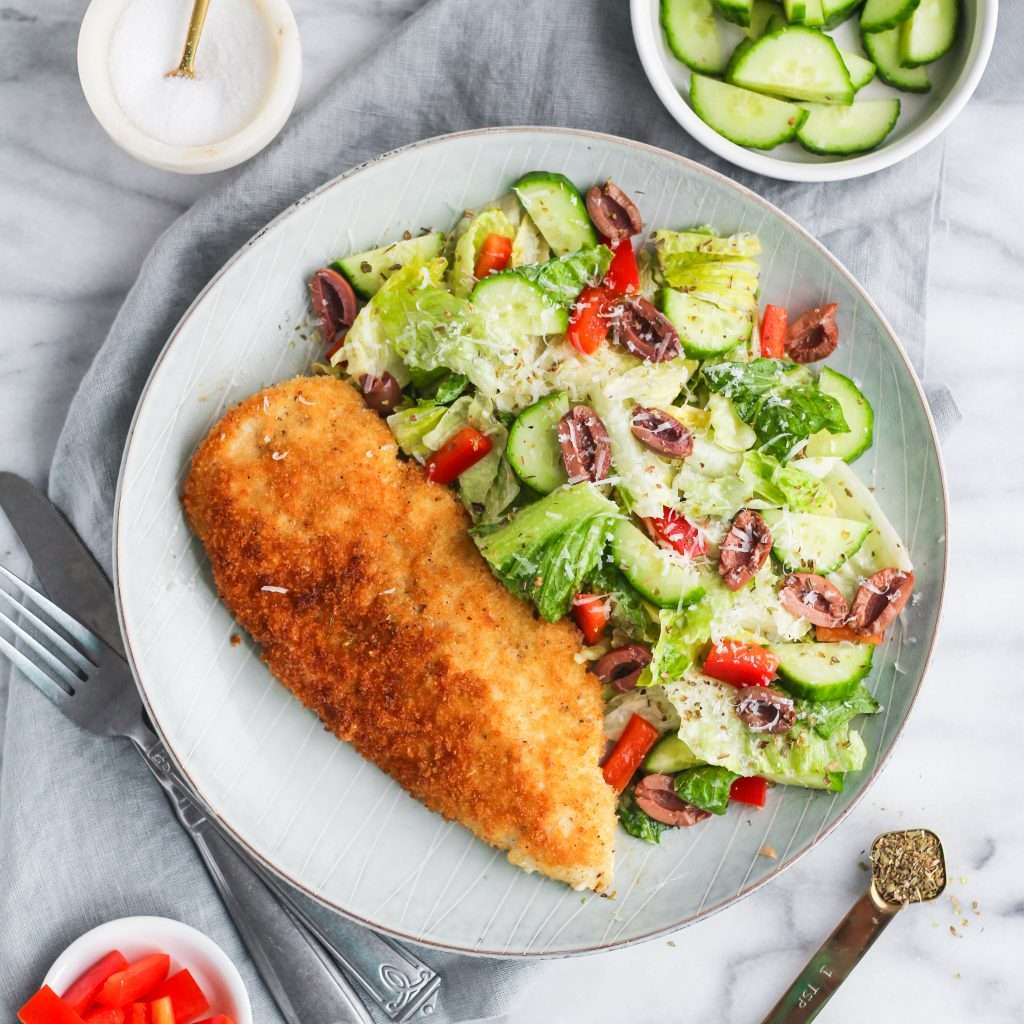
(906, 867)
(187, 69)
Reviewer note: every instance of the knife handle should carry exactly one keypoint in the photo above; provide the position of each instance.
(399, 983)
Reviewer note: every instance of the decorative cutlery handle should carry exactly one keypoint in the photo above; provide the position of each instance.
(301, 974)
(392, 976)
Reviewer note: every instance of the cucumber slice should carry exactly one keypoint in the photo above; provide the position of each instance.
(367, 271)
(705, 329)
(807, 542)
(929, 32)
(879, 15)
(795, 62)
(837, 11)
(884, 49)
(692, 33)
(761, 15)
(660, 576)
(533, 451)
(512, 304)
(557, 208)
(668, 756)
(744, 117)
(860, 68)
(736, 11)
(860, 418)
(845, 130)
(804, 12)
(815, 671)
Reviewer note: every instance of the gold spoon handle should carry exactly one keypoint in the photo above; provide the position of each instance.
(195, 27)
(831, 965)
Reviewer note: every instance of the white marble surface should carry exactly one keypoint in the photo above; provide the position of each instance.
(76, 219)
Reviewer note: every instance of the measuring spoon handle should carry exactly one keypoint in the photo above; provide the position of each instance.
(836, 958)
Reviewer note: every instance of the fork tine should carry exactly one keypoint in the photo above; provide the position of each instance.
(69, 678)
(90, 643)
(68, 650)
(36, 675)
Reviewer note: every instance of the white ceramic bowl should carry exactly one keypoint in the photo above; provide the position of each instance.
(923, 117)
(136, 937)
(98, 26)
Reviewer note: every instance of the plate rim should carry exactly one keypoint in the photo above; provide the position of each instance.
(689, 165)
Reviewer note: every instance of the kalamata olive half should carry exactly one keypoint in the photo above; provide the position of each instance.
(879, 599)
(661, 432)
(655, 795)
(813, 335)
(622, 667)
(645, 331)
(382, 394)
(806, 595)
(334, 304)
(764, 710)
(586, 448)
(745, 549)
(614, 214)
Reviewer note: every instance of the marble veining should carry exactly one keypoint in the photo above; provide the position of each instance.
(77, 217)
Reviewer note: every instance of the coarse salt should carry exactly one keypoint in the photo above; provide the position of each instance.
(235, 64)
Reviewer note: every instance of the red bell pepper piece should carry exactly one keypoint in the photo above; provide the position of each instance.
(135, 982)
(493, 256)
(137, 1013)
(675, 531)
(162, 1011)
(752, 790)
(637, 738)
(46, 1007)
(186, 995)
(221, 1018)
(588, 321)
(739, 663)
(837, 634)
(623, 274)
(105, 1015)
(591, 614)
(457, 454)
(773, 332)
(82, 991)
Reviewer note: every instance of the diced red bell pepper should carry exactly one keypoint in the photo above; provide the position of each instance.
(752, 790)
(588, 321)
(186, 995)
(82, 991)
(221, 1018)
(493, 256)
(46, 1007)
(623, 274)
(837, 634)
(137, 1013)
(135, 982)
(741, 664)
(105, 1015)
(673, 530)
(457, 454)
(637, 738)
(591, 614)
(162, 1010)
(773, 332)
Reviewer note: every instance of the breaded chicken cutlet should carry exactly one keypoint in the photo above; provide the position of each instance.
(359, 580)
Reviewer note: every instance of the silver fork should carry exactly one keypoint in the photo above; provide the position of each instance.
(92, 685)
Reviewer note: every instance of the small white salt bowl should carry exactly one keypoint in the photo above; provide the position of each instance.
(94, 71)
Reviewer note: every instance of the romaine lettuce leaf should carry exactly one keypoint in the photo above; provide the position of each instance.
(706, 786)
(564, 277)
(628, 614)
(786, 485)
(411, 425)
(651, 704)
(827, 716)
(636, 822)
(728, 430)
(710, 727)
(780, 401)
(467, 246)
(682, 634)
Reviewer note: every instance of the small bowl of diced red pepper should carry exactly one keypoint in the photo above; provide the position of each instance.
(140, 970)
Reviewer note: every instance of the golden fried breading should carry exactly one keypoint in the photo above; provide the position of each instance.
(393, 630)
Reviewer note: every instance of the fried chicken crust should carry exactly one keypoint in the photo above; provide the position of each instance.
(393, 630)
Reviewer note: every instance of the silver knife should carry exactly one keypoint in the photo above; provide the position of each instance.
(308, 965)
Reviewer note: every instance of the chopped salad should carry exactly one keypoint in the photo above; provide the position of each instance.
(644, 450)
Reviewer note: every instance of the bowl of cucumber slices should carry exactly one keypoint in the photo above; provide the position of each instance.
(814, 90)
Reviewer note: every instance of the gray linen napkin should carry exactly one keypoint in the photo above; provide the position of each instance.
(84, 832)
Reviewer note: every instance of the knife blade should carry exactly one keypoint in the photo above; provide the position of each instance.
(64, 565)
(400, 983)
